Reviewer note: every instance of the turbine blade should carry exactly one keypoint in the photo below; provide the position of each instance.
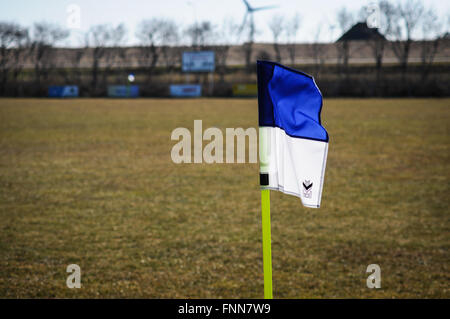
(264, 8)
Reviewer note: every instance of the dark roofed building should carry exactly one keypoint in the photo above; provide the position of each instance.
(361, 32)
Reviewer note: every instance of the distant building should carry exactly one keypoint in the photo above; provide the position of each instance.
(361, 32)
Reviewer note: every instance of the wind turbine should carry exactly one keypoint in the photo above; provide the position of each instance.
(250, 11)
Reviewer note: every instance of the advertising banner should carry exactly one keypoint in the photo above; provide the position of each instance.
(63, 91)
(186, 90)
(245, 90)
(123, 90)
(202, 61)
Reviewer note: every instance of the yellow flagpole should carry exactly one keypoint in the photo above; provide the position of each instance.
(267, 243)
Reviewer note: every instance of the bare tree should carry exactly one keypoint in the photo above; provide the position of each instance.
(227, 35)
(247, 47)
(378, 41)
(44, 37)
(21, 52)
(76, 58)
(201, 34)
(100, 40)
(345, 21)
(115, 53)
(432, 38)
(276, 26)
(408, 15)
(158, 38)
(317, 52)
(292, 27)
(149, 34)
(170, 38)
(12, 41)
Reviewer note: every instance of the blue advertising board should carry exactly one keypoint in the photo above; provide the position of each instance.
(123, 90)
(63, 91)
(186, 90)
(199, 61)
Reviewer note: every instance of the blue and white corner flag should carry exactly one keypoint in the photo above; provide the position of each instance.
(293, 144)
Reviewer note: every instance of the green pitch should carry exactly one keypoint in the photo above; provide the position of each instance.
(91, 182)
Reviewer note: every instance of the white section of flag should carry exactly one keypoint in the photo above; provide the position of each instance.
(296, 166)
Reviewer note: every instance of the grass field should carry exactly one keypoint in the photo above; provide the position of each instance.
(91, 182)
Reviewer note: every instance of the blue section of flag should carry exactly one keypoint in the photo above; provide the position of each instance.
(289, 99)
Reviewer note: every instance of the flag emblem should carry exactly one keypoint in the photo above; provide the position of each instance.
(307, 189)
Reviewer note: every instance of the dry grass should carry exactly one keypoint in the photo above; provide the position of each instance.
(91, 182)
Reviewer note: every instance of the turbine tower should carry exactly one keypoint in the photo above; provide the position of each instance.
(251, 34)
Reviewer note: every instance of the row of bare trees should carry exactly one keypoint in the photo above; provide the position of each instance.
(105, 47)
(161, 42)
(400, 24)
(11, 35)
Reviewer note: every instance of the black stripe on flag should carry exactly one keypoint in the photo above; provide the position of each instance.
(263, 179)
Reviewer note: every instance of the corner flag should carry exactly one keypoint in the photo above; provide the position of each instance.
(293, 144)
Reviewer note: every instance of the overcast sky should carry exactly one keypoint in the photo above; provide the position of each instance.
(314, 13)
